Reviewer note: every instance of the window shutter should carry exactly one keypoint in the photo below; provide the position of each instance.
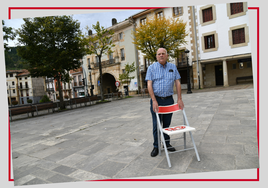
(236, 8)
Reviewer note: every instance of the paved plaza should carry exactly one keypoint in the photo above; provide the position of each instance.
(114, 140)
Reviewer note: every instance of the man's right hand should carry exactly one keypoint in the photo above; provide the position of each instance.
(155, 106)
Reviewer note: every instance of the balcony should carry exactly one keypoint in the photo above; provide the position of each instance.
(21, 87)
(106, 63)
(50, 89)
(49, 80)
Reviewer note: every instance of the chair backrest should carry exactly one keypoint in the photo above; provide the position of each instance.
(168, 109)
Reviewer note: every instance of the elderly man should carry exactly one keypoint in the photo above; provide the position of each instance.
(160, 79)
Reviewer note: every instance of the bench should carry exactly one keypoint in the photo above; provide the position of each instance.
(43, 106)
(17, 110)
(244, 78)
(80, 100)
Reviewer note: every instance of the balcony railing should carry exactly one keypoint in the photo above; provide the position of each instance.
(23, 87)
(48, 80)
(50, 89)
(105, 63)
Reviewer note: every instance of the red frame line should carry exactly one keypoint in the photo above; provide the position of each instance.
(86, 8)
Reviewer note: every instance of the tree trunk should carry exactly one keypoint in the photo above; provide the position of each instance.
(62, 105)
(101, 87)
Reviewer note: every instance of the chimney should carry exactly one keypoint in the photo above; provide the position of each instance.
(114, 21)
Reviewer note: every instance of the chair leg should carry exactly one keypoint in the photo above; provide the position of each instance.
(162, 140)
(196, 152)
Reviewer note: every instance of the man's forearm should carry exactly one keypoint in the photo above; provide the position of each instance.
(151, 91)
(178, 88)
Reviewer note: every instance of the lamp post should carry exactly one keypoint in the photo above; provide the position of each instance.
(91, 86)
(188, 73)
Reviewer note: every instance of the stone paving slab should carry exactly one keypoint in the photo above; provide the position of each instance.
(114, 140)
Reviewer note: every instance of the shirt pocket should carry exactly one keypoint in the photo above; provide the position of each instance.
(170, 75)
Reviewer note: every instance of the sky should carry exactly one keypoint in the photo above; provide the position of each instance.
(105, 19)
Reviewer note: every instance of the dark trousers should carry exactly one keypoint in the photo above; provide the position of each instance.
(165, 119)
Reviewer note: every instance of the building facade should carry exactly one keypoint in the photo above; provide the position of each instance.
(113, 64)
(21, 87)
(183, 13)
(224, 44)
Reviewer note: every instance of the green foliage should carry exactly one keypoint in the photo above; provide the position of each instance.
(99, 44)
(168, 33)
(52, 46)
(13, 61)
(29, 101)
(14, 102)
(125, 78)
(44, 99)
(8, 33)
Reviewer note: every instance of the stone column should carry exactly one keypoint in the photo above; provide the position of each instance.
(225, 73)
(201, 76)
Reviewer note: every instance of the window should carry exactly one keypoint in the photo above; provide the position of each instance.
(11, 75)
(207, 15)
(20, 78)
(122, 54)
(25, 78)
(88, 61)
(143, 21)
(238, 36)
(14, 91)
(177, 11)
(249, 64)
(7, 83)
(13, 83)
(120, 36)
(209, 42)
(234, 66)
(181, 59)
(160, 14)
(147, 63)
(97, 59)
(236, 9)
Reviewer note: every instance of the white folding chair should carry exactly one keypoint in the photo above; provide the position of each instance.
(174, 130)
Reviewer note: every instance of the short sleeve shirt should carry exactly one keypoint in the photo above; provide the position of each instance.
(163, 78)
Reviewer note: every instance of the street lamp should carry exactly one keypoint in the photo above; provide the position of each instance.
(188, 73)
(91, 86)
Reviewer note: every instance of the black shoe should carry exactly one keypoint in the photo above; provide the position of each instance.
(170, 148)
(154, 152)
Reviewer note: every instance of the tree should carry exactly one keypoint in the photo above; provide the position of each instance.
(125, 78)
(168, 33)
(8, 34)
(99, 44)
(52, 46)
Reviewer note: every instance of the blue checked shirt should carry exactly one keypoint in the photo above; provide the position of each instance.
(163, 78)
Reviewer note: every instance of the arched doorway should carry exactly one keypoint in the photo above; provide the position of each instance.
(108, 83)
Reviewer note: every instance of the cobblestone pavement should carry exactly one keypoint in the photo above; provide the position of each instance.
(114, 140)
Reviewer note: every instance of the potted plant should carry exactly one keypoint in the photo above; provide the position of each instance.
(29, 101)
(14, 102)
